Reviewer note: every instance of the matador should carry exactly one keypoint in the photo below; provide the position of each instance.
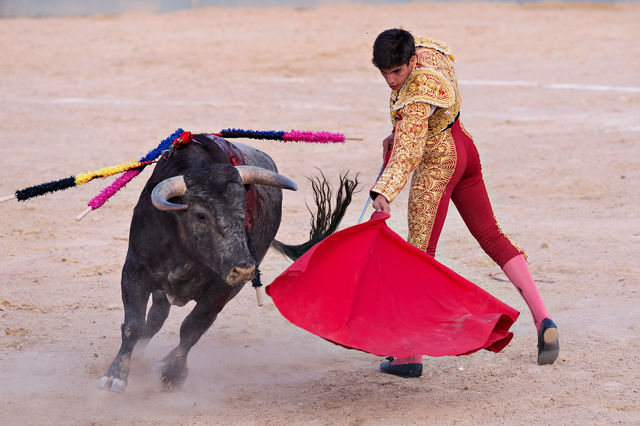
(430, 145)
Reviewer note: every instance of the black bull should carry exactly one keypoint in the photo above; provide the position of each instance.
(205, 243)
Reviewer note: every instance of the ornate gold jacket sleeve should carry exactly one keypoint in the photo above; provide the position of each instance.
(408, 148)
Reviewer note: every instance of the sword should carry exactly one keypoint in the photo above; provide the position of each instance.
(384, 164)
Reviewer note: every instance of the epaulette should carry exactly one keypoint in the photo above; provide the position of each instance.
(432, 43)
(426, 85)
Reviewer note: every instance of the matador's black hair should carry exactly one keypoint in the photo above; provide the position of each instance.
(393, 48)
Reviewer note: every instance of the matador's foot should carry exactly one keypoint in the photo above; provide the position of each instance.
(412, 369)
(548, 342)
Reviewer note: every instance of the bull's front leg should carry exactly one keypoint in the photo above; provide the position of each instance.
(174, 366)
(156, 317)
(134, 298)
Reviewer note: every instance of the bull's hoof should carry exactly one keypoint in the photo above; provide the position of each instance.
(174, 375)
(112, 384)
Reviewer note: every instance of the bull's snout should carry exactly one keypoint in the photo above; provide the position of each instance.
(241, 274)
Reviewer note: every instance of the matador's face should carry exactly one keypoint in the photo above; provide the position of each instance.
(397, 76)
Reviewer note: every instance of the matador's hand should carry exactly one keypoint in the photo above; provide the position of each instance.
(381, 203)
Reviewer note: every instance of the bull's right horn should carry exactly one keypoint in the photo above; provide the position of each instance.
(258, 175)
(168, 188)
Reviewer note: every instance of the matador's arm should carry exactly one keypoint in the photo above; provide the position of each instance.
(408, 148)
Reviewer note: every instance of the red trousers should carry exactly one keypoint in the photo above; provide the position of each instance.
(456, 176)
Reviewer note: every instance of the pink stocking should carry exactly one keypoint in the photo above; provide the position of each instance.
(411, 359)
(518, 273)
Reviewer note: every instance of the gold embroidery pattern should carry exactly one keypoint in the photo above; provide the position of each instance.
(409, 145)
(427, 186)
(517, 247)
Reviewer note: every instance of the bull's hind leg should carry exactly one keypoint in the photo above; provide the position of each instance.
(135, 301)
(174, 366)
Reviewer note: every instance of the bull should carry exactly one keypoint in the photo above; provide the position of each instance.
(203, 223)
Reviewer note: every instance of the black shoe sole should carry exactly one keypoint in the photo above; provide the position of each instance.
(411, 370)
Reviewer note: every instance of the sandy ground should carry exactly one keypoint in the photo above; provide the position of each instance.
(550, 93)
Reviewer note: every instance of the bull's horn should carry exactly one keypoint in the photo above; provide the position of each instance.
(251, 174)
(168, 188)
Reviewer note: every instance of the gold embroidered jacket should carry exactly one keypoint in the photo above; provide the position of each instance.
(432, 82)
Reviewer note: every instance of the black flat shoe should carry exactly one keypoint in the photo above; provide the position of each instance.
(548, 342)
(401, 370)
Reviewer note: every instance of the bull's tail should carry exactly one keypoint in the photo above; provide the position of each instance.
(327, 217)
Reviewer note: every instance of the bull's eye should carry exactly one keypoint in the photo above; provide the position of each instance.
(201, 216)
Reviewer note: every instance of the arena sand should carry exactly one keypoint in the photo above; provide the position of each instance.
(550, 94)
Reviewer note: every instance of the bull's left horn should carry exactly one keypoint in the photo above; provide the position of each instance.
(168, 188)
(251, 174)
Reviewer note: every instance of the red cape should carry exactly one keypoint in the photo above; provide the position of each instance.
(366, 288)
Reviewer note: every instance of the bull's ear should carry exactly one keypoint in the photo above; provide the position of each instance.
(260, 176)
(172, 187)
